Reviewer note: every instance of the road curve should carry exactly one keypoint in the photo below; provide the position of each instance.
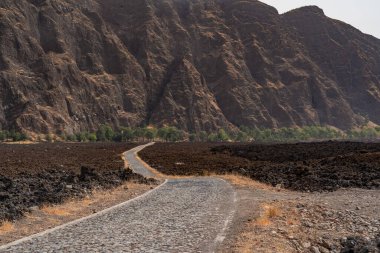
(184, 215)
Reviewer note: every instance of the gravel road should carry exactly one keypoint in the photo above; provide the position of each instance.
(184, 215)
(136, 164)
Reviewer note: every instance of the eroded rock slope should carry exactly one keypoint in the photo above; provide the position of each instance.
(67, 66)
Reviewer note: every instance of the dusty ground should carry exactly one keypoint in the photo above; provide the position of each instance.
(279, 220)
(270, 218)
(41, 219)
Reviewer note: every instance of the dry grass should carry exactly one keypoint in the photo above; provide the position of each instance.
(56, 210)
(258, 236)
(6, 227)
(272, 211)
(72, 207)
(51, 216)
(239, 180)
(20, 142)
(269, 213)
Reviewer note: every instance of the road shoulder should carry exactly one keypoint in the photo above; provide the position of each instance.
(270, 219)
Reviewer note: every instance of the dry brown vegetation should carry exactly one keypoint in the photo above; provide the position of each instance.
(6, 227)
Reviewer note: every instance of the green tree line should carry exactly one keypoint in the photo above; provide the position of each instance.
(125, 134)
(12, 136)
(172, 134)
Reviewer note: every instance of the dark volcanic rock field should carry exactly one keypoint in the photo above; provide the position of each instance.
(34, 175)
(324, 166)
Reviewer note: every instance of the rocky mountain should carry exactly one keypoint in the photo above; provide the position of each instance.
(68, 66)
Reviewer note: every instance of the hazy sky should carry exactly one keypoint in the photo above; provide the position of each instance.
(363, 14)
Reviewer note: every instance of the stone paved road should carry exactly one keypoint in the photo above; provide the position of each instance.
(184, 215)
(135, 164)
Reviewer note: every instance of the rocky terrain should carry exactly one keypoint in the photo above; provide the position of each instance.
(42, 174)
(344, 221)
(68, 66)
(324, 166)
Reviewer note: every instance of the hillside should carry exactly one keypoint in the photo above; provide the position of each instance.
(68, 66)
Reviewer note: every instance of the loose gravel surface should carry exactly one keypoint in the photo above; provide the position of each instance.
(184, 215)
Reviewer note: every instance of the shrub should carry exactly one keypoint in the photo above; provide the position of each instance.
(92, 137)
(222, 135)
(72, 137)
(203, 136)
(192, 137)
(82, 137)
(150, 133)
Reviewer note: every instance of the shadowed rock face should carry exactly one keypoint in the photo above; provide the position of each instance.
(68, 65)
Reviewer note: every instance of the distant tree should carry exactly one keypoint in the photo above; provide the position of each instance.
(117, 137)
(203, 136)
(242, 136)
(162, 133)
(2, 136)
(72, 137)
(192, 137)
(222, 135)
(63, 137)
(105, 133)
(127, 133)
(92, 137)
(49, 138)
(81, 137)
(150, 133)
(212, 137)
(139, 133)
(101, 134)
(174, 135)
(109, 133)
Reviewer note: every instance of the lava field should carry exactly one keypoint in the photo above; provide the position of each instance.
(322, 166)
(39, 174)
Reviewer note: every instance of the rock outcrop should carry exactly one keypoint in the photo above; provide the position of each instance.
(68, 66)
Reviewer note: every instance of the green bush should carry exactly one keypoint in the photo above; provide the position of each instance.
(192, 137)
(82, 137)
(105, 133)
(287, 134)
(92, 137)
(3, 136)
(150, 133)
(127, 133)
(12, 135)
(71, 137)
(203, 136)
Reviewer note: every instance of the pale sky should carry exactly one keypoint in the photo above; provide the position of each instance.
(362, 14)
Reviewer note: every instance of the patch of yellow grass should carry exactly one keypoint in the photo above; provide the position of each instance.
(6, 227)
(55, 210)
(263, 221)
(240, 180)
(270, 212)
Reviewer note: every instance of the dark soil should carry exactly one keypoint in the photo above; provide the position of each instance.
(324, 166)
(34, 175)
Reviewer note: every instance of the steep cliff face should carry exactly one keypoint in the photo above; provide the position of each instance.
(67, 66)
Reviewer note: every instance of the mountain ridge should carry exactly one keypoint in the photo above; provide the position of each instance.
(199, 65)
